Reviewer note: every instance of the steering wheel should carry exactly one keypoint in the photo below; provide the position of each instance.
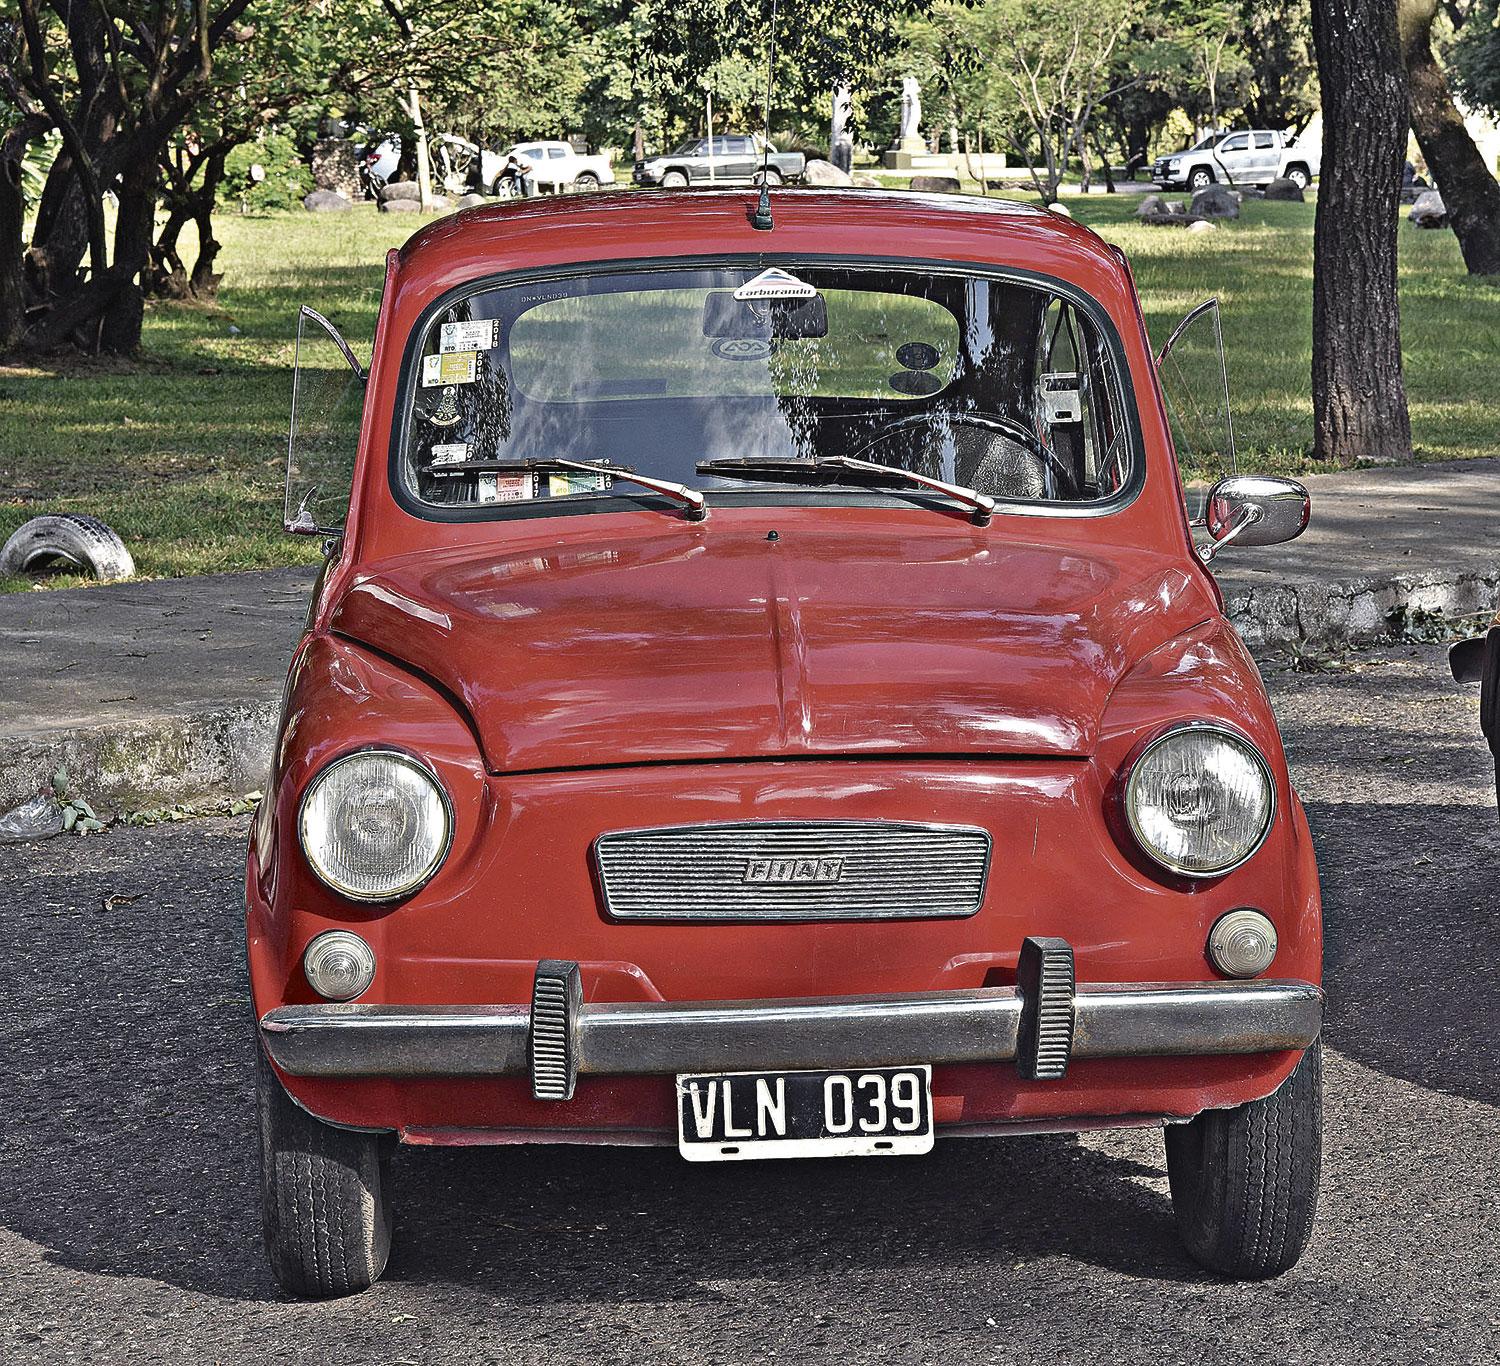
(1056, 473)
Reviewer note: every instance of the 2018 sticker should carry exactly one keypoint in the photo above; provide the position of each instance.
(450, 367)
(480, 335)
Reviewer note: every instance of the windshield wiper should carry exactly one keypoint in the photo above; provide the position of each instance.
(982, 506)
(694, 502)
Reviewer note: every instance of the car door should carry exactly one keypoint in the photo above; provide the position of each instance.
(558, 172)
(1266, 154)
(1234, 156)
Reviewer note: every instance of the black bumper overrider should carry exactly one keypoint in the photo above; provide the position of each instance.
(1040, 1025)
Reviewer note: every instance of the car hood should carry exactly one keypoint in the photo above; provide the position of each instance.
(716, 642)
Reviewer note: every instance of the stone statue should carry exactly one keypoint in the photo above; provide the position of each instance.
(911, 112)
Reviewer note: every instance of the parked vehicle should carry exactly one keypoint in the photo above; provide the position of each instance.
(724, 159)
(1478, 661)
(458, 165)
(1254, 157)
(557, 166)
(858, 756)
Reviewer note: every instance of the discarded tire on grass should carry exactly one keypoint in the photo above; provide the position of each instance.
(81, 542)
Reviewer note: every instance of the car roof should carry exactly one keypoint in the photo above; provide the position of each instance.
(652, 225)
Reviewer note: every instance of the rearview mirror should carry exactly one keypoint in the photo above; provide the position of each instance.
(1254, 509)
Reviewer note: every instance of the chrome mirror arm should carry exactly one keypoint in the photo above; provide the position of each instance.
(1247, 517)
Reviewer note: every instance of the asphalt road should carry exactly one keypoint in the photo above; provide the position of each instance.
(128, 1225)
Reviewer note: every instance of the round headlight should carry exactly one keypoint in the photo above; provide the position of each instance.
(375, 825)
(1200, 800)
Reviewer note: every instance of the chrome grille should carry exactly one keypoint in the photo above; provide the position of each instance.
(813, 870)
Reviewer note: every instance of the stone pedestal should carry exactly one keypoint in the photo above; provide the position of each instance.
(334, 168)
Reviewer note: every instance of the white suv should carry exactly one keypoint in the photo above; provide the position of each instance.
(1256, 157)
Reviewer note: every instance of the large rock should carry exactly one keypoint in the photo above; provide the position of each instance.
(1429, 211)
(935, 184)
(1150, 206)
(469, 201)
(1282, 188)
(1201, 225)
(438, 204)
(1060, 209)
(821, 172)
(400, 206)
(1215, 201)
(325, 201)
(399, 189)
(865, 181)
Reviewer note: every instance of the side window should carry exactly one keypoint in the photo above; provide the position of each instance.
(557, 151)
(1076, 416)
(1237, 143)
(1264, 141)
(328, 400)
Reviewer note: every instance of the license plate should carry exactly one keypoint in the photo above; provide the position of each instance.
(734, 1116)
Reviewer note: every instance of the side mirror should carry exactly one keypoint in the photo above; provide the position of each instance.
(1254, 509)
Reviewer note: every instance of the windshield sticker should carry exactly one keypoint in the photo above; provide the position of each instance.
(775, 283)
(560, 485)
(741, 348)
(451, 453)
(445, 412)
(506, 488)
(483, 335)
(452, 367)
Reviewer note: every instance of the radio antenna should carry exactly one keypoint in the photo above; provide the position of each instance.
(761, 218)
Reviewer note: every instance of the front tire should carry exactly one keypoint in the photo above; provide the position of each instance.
(1245, 1181)
(674, 180)
(324, 1205)
(1200, 179)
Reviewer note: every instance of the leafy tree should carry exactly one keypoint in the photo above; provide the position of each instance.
(1476, 57)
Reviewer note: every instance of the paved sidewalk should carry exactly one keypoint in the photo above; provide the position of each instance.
(158, 692)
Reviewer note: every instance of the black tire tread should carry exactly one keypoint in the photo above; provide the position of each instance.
(1245, 1181)
(75, 537)
(324, 1207)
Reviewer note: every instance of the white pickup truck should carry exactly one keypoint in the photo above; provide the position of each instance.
(555, 166)
(1256, 157)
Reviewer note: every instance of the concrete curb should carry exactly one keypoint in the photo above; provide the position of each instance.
(1330, 616)
(222, 752)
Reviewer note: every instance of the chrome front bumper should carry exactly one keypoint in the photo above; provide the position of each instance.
(1040, 1025)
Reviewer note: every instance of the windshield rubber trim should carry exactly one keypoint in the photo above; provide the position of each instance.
(408, 501)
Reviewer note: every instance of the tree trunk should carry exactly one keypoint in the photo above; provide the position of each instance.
(204, 283)
(1359, 395)
(1470, 193)
(120, 329)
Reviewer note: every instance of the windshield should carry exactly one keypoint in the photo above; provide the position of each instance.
(1004, 387)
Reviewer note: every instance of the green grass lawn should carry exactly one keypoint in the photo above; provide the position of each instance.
(182, 450)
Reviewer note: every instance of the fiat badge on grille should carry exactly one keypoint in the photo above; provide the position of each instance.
(815, 870)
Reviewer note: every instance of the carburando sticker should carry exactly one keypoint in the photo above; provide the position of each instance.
(483, 335)
(452, 367)
(775, 283)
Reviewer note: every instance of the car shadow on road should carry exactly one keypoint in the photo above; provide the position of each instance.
(548, 1225)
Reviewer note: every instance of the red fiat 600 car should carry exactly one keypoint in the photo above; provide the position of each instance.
(764, 696)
